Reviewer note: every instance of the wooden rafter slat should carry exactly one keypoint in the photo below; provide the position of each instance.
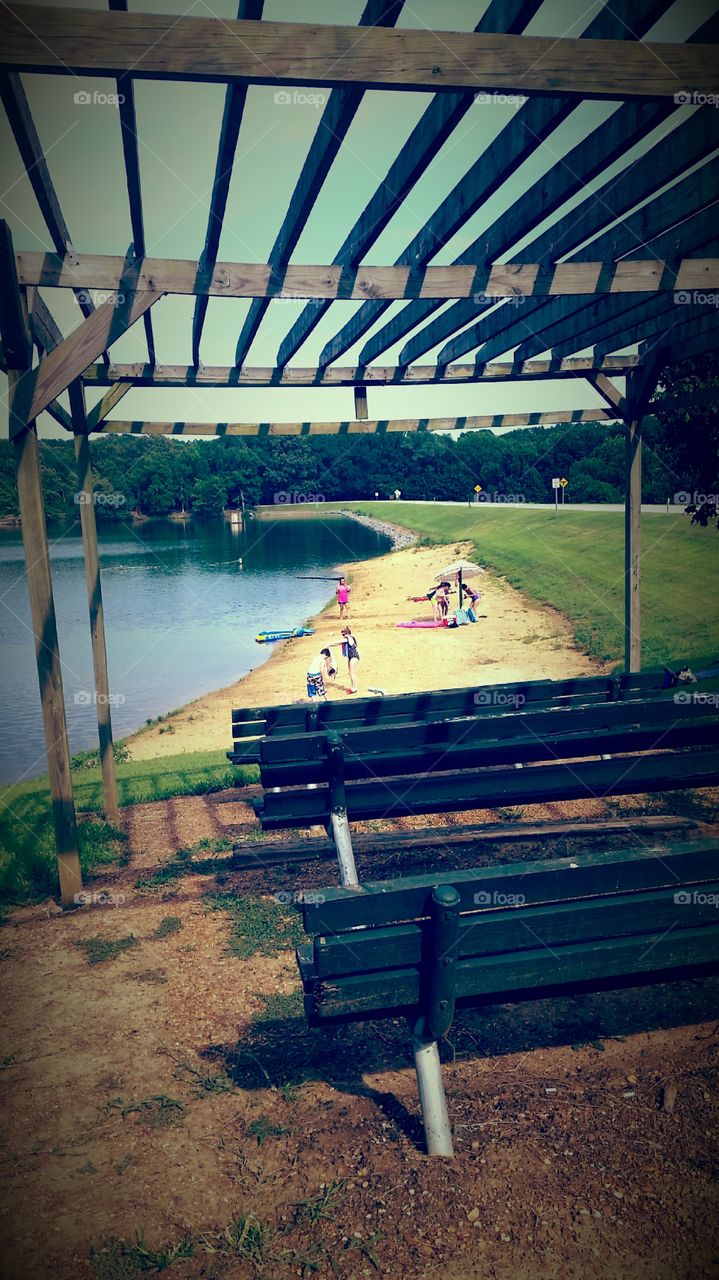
(689, 144)
(139, 375)
(156, 46)
(233, 111)
(100, 411)
(356, 427)
(250, 280)
(688, 342)
(334, 123)
(528, 129)
(128, 131)
(437, 123)
(16, 105)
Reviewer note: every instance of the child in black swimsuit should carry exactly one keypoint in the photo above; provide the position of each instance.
(350, 651)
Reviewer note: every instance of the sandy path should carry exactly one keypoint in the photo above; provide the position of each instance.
(516, 641)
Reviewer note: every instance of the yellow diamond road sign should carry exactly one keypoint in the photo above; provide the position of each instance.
(478, 488)
(563, 482)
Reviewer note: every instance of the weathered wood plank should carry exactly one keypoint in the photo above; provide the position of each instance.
(184, 375)
(75, 41)
(354, 427)
(250, 280)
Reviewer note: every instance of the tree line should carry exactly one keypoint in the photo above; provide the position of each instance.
(159, 476)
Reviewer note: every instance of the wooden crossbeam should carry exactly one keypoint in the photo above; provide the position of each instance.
(100, 411)
(337, 116)
(437, 123)
(354, 427)
(155, 46)
(184, 375)
(579, 166)
(251, 280)
(68, 360)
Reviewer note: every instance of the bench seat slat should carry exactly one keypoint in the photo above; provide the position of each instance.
(549, 880)
(540, 784)
(513, 976)
(489, 932)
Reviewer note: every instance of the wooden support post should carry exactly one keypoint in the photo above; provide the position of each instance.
(94, 600)
(632, 545)
(42, 607)
(15, 333)
(361, 402)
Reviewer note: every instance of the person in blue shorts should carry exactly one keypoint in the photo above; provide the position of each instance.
(318, 668)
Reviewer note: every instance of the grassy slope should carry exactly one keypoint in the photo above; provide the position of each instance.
(575, 562)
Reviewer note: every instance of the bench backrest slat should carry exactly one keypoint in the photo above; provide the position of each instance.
(538, 784)
(494, 929)
(542, 882)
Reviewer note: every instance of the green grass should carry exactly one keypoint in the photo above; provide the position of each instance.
(575, 562)
(259, 926)
(28, 869)
(99, 949)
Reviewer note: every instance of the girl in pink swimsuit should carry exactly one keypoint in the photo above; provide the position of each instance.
(343, 598)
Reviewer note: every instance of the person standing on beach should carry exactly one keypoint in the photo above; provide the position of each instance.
(343, 598)
(318, 668)
(350, 651)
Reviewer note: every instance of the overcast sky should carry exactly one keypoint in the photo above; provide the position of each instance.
(178, 130)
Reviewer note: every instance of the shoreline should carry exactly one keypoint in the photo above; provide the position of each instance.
(399, 537)
(517, 639)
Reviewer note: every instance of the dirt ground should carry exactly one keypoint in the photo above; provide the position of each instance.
(515, 641)
(168, 1109)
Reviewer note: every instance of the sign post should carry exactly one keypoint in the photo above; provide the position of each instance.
(477, 491)
(556, 484)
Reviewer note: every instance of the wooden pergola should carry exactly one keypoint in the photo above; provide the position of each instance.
(606, 276)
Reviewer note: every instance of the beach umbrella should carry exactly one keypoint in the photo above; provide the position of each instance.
(457, 572)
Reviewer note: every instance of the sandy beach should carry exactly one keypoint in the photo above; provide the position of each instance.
(516, 640)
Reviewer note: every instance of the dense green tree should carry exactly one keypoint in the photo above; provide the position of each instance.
(208, 496)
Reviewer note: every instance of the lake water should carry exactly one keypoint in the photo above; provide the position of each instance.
(180, 616)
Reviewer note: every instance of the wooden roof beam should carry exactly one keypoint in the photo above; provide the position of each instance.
(182, 375)
(158, 46)
(251, 280)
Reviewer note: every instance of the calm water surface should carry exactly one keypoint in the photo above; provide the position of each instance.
(180, 616)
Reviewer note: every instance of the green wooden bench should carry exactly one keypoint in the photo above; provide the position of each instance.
(521, 758)
(474, 700)
(420, 946)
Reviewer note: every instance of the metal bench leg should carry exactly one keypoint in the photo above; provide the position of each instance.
(339, 821)
(432, 1100)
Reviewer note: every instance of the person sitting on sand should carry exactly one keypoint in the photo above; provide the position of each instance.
(350, 651)
(318, 668)
(343, 598)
